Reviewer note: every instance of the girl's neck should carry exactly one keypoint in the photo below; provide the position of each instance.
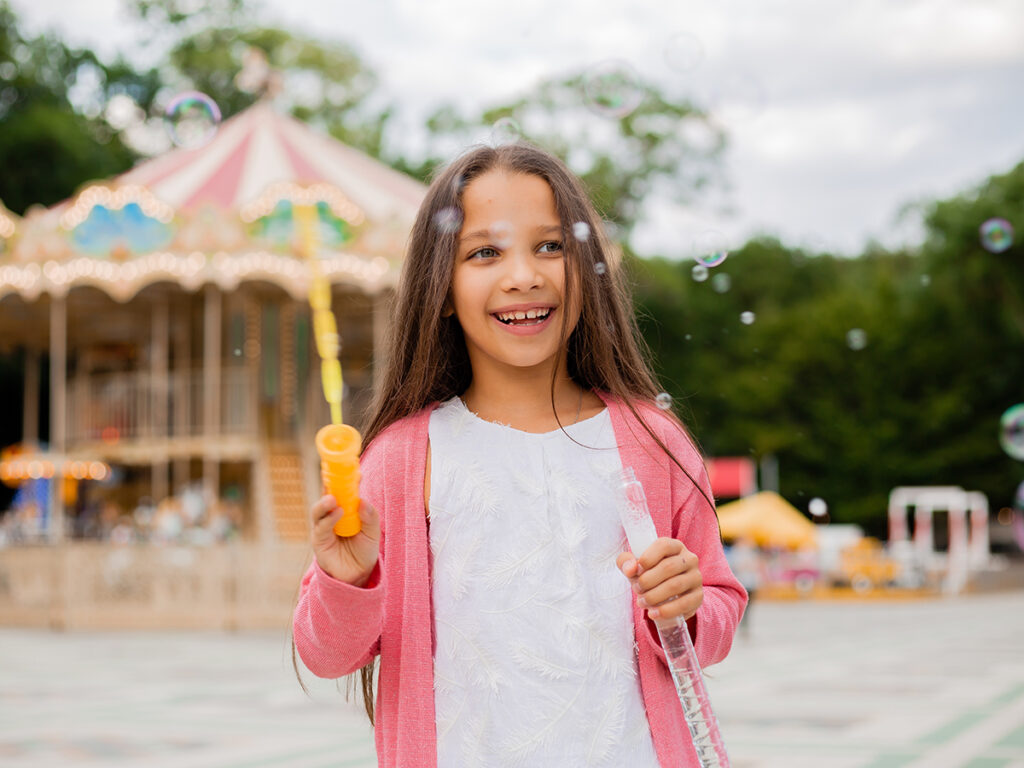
(525, 402)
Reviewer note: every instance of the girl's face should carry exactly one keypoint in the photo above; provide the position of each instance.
(508, 286)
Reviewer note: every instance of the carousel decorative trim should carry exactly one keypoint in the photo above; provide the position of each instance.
(115, 200)
(340, 205)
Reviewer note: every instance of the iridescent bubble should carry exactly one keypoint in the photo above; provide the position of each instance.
(747, 318)
(664, 401)
(1018, 499)
(505, 131)
(699, 273)
(501, 234)
(856, 339)
(192, 119)
(721, 283)
(600, 268)
(448, 220)
(926, 280)
(817, 507)
(684, 52)
(710, 248)
(1011, 431)
(996, 235)
(581, 231)
(612, 89)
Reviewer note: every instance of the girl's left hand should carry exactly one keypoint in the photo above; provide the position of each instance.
(666, 580)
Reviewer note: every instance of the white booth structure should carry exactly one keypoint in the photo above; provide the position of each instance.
(968, 548)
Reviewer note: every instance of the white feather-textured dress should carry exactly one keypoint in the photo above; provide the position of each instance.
(535, 663)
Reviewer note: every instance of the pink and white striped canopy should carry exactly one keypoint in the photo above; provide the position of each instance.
(261, 147)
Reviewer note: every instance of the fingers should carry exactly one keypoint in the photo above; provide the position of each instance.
(666, 579)
(325, 514)
(370, 519)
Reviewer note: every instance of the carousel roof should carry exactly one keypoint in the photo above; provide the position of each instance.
(222, 213)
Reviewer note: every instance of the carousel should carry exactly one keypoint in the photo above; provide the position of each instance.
(164, 324)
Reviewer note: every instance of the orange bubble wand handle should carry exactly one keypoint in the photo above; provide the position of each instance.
(338, 444)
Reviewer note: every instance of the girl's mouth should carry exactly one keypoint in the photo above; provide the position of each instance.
(524, 317)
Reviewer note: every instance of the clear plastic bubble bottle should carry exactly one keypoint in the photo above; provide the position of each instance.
(675, 640)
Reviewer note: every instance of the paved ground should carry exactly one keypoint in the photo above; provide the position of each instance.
(924, 684)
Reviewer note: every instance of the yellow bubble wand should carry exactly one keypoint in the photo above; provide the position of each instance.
(338, 444)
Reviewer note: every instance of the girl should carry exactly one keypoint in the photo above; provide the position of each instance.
(490, 574)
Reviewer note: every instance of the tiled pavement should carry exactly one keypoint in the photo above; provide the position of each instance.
(923, 684)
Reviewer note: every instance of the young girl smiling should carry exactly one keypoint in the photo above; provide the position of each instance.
(491, 575)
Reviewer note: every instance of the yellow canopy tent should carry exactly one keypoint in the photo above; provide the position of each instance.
(769, 520)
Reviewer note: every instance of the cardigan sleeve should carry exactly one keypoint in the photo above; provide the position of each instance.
(695, 523)
(336, 626)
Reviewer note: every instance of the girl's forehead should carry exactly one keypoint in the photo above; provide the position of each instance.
(500, 191)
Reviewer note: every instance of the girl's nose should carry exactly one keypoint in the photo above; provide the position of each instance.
(521, 271)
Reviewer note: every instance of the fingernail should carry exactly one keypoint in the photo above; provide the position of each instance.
(641, 602)
(654, 613)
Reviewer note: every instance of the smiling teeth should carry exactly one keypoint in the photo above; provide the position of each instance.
(528, 314)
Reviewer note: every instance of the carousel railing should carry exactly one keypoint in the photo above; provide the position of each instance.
(133, 405)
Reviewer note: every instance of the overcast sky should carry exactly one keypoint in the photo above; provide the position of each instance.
(837, 112)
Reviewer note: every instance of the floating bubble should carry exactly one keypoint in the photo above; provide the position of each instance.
(1018, 499)
(996, 235)
(710, 248)
(817, 507)
(684, 52)
(926, 280)
(747, 318)
(699, 273)
(581, 231)
(505, 131)
(192, 119)
(664, 401)
(721, 283)
(600, 268)
(1011, 431)
(501, 234)
(856, 339)
(448, 220)
(612, 89)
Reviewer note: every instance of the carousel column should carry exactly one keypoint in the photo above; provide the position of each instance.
(58, 406)
(211, 393)
(30, 408)
(381, 327)
(158, 391)
(183, 405)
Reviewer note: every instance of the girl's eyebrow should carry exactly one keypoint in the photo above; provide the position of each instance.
(484, 234)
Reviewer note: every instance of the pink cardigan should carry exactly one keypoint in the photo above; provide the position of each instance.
(339, 628)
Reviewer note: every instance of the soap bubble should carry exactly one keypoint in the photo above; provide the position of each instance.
(996, 235)
(191, 119)
(856, 339)
(747, 318)
(817, 507)
(612, 89)
(1018, 499)
(600, 268)
(721, 283)
(710, 248)
(684, 52)
(664, 401)
(448, 220)
(1011, 431)
(505, 131)
(501, 234)
(581, 231)
(699, 273)
(926, 280)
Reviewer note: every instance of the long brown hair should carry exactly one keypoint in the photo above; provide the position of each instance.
(426, 357)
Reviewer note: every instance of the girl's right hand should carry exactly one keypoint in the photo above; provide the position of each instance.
(349, 559)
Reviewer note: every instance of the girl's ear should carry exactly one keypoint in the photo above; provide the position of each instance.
(447, 310)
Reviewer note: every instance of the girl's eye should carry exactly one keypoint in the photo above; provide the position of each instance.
(551, 247)
(483, 253)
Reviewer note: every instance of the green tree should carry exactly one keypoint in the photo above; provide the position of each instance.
(47, 148)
